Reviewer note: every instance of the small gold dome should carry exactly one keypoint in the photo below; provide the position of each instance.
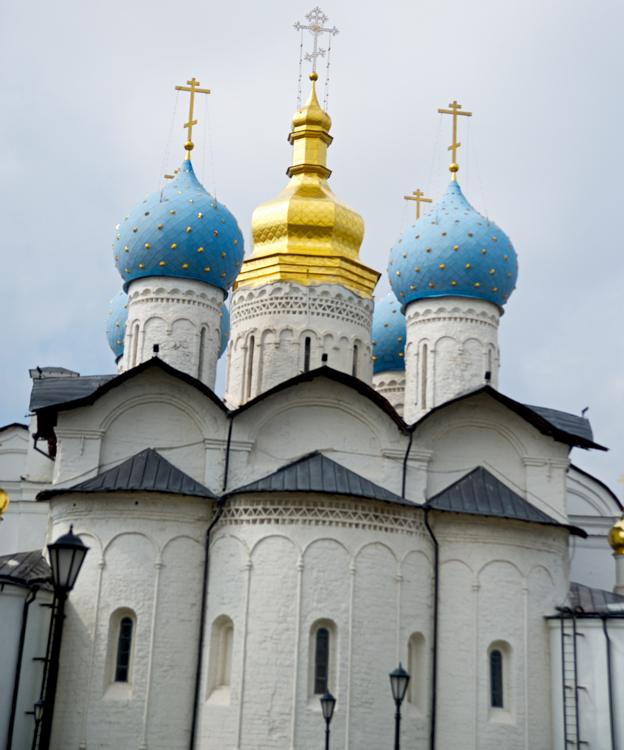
(4, 501)
(305, 234)
(616, 537)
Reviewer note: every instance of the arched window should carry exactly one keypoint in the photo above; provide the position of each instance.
(307, 347)
(121, 647)
(202, 347)
(124, 649)
(417, 669)
(322, 657)
(423, 378)
(251, 345)
(355, 361)
(497, 699)
(220, 666)
(135, 345)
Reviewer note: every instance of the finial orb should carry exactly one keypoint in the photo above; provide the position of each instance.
(4, 501)
(314, 76)
(616, 537)
(453, 167)
(189, 145)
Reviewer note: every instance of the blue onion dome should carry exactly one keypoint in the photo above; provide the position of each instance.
(116, 323)
(225, 329)
(388, 335)
(453, 251)
(180, 231)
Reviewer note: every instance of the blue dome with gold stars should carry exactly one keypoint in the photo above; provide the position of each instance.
(116, 323)
(453, 251)
(388, 335)
(180, 231)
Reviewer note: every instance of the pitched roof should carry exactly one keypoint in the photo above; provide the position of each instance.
(337, 376)
(8, 426)
(25, 569)
(317, 473)
(147, 471)
(587, 600)
(69, 393)
(569, 429)
(480, 493)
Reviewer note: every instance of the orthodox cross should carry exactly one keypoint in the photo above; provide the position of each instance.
(316, 19)
(192, 87)
(419, 197)
(454, 109)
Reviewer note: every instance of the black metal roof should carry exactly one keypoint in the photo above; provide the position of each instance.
(49, 391)
(25, 569)
(71, 393)
(561, 426)
(148, 471)
(337, 376)
(480, 493)
(587, 600)
(573, 424)
(317, 473)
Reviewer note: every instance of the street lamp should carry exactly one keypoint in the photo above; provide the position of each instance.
(399, 680)
(328, 703)
(67, 554)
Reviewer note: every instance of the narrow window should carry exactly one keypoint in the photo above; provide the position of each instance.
(135, 345)
(417, 670)
(202, 346)
(250, 359)
(423, 378)
(220, 664)
(225, 656)
(307, 345)
(124, 647)
(355, 359)
(321, 661)
(496, 679)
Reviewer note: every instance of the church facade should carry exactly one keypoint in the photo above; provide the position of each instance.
(362, 496)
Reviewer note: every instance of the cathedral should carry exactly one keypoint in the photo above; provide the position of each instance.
(362, 496)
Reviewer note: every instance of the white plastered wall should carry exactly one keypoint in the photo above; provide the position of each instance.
(146, 557)
(451, 343)
(279, 318)
(182, 317)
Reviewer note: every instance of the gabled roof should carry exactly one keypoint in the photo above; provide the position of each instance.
(561, 426)
(70, 393)
(25, 569)
(317, 473)
(600, 483)
(147, 471)
(19, 425)
(587, 600)
(480, 493)
(338, 377)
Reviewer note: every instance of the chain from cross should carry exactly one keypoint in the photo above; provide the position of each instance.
(192, 87)
(454, 109)
(316, 19)
(419, 197)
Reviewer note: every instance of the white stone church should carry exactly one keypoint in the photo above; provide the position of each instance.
(362, 495)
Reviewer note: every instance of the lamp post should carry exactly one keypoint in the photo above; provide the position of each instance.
(67, 554)
(328, 703)
(399, 680)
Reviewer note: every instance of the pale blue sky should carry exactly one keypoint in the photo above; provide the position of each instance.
(87, 105)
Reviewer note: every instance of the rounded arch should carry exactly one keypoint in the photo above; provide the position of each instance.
(173, 539)
(501, 561)
(319, 540)
(445, 427)
(120, 409)
(223, 536)
(366, 545)
(263, 539)
(122, 534)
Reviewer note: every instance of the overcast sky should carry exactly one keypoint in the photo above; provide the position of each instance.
(87, 128)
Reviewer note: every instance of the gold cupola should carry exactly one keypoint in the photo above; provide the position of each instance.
(616, 537)
(305, 234)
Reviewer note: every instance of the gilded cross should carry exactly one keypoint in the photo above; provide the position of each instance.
(454, 109)
(192, 87)
(419, 197)
(316, 18)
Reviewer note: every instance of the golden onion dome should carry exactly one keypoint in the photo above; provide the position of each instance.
(616, 537)
(4, 501)
(305, 234)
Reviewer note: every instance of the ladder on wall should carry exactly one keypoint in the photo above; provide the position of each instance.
(571, 687)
